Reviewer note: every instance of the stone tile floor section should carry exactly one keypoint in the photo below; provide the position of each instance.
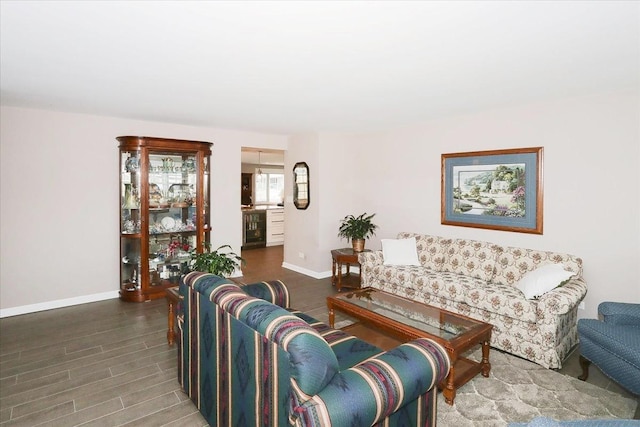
(518, 390)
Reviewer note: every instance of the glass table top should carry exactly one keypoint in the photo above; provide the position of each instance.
(428, 319)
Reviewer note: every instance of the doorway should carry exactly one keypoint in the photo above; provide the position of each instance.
(262, 177)
(262, 197)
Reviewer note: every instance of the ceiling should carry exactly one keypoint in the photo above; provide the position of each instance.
(303, 66)
(261, 156)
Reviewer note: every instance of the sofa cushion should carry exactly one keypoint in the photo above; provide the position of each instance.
(447, 285)
(348, 349)
(538, 282)
(431, 249)
(400, 251)
(395, 277)
(513, 263)
(502, 299)
(472, 258)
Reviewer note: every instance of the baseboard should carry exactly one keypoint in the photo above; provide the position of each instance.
(50, 305)
(306, 272)
(315, 274)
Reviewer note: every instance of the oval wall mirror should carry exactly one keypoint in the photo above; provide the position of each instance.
(301, 185)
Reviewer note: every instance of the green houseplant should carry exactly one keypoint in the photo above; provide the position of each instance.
(222, 261)
(357, 229)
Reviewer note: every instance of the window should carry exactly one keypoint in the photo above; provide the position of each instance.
(269, 188)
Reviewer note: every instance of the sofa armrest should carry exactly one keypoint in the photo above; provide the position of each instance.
(370, 265)
(202, 282)
(620, 313)
(274, 292)
(564, 298)
(371, 258)
(372, 390)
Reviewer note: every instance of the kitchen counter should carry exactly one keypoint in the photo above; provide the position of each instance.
(260, 208)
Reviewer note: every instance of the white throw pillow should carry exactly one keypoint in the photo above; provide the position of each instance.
(538, 282)
(400, 251)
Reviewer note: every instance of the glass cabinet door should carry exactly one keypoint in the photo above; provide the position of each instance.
(165, 211)
(130, 220)
(206, 206)
(173, 186)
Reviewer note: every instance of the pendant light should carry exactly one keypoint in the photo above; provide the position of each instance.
(259, 162)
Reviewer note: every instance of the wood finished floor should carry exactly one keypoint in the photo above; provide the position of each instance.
(108, 363)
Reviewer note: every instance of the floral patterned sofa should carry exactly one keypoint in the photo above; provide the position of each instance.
(477, 279)
(245, 359)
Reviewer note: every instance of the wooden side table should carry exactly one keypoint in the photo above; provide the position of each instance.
(173, 298)
(340, 257)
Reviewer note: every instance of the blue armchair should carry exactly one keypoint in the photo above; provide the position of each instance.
(613, 344)
(246, 359)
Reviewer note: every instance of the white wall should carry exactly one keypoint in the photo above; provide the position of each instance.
(301, 225)
(59, 192)
(591, 180)
(59, 201)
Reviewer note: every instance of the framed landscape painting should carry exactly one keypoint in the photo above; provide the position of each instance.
(498, 189)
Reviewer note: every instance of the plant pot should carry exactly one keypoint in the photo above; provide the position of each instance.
(358, 245)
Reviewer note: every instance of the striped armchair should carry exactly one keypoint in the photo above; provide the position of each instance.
(613, 344)
(245, 359)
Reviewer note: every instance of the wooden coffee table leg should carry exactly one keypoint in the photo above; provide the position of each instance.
(486, 366)
(332, 315)
(449, 390)
(339, 273)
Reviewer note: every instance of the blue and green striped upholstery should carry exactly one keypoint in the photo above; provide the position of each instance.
(380, 387)
(275, 292)
(348, 349)
(248, 361)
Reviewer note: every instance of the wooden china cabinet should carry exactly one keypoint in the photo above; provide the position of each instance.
(164, 212)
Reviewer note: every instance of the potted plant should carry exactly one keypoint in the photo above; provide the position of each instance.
(357, 229)
(222, 262)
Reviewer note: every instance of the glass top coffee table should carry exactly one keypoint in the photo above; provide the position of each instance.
(407, 320)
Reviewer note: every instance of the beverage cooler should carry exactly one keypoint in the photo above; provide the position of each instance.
(254, 229)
